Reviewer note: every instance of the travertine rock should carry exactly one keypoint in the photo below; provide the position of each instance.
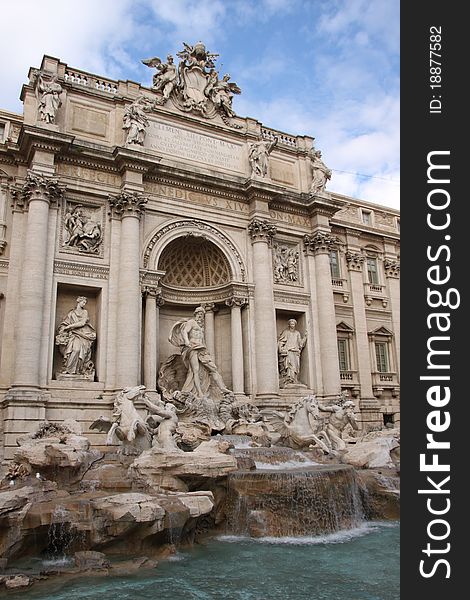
(374, 450)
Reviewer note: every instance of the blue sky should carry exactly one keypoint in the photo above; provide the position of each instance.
(324, 68)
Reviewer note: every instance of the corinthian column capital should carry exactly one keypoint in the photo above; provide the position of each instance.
(127, 204)
(261, 230)
(392, 268)
(37, 187)
(320, 243)
(354, 260)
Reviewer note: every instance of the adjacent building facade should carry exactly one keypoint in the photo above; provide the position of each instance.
(123, 208)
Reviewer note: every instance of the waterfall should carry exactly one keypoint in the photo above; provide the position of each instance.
(308, 500)
(62, 535)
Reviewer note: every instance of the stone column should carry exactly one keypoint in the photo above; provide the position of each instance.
(153, 301)
(262, 232)
(129, 206)
(238, 380)
(319, 245)
(209, 329)
(392, 272)
(38, 193)
(368, 403)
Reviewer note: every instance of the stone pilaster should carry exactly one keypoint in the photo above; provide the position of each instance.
(209, 327)
(392, 273)
(129, 207)
(238, 380)
(319, 245)
(37, 194)
(153, 301)
(368, 403)
(261, 233)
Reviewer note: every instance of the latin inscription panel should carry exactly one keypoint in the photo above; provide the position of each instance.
(194, 146)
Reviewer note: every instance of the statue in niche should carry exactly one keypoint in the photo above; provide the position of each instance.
(126, 425)
(290, 345)
(285, 264)
(166, 79)
(49, 100)
(258, 156)
(221, 92)
(341, 415)
(320, 172)
(82, 232)
(135, 120)
(188, 335)
(75, 338)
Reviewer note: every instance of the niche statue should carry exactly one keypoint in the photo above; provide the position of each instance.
(75, 338)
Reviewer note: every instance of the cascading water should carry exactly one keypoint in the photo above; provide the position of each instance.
(295, 498)
(62, 536)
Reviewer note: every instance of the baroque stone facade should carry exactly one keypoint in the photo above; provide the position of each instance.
(149, 201)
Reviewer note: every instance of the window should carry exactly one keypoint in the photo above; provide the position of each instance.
(381, 356)
(366, 217)
(343, 354)
(334, 264)
(398, 224)
(2, 132)
(372, 273)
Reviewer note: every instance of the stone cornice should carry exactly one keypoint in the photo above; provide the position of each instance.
(261, 230)
(191, 296)
(320, 243)
(41, 138)
(135, 160)
(196, 186)
(324, 205)
(127, 204)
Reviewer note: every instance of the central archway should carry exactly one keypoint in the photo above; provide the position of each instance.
(194, 262)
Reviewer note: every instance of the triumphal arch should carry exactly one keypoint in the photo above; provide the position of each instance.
(128, 209)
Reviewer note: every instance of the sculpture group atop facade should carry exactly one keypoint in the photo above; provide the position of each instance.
(194, 84)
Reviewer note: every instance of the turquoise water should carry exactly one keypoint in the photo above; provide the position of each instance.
(360, 564)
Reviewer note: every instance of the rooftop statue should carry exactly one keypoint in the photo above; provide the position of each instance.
(49, 101)
(258, 156)
(166, 79)
(320, 172)
(135, 120)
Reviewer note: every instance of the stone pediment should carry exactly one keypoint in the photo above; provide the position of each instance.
(344, 327)
(381, 331)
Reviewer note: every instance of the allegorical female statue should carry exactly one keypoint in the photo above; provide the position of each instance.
(290, 344)
(75, 338)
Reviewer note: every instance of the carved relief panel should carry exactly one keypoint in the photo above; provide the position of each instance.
(81, 228)
(286, 263)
